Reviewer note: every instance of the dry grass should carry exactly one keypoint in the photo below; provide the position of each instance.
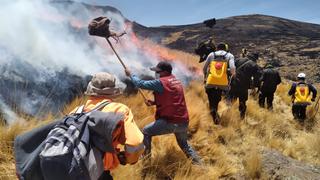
(253, 165)
(226, 149)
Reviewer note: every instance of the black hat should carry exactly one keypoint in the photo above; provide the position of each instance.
(222, 46)
(162, 66)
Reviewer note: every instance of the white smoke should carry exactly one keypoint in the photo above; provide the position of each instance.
(7, 113)
(50, 37)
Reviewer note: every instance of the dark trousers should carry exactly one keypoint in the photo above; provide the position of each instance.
(214, 97)
(299, 112)
(243, 97)
(262, 98)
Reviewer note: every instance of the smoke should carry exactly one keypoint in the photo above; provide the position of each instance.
(46, 53)
(7, 113)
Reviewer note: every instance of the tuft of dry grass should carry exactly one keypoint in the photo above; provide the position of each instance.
(253, 165)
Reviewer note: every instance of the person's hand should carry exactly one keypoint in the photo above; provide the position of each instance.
(313, 99)
(128, 72)
(149, 102)
(122, 158)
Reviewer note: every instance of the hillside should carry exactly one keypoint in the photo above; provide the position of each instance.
(47, 79)
(292, 44)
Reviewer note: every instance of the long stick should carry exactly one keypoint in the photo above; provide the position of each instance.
(123, 65)
(316, 108)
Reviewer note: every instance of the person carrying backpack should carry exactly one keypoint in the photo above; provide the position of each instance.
(301, 96)
(171, 109)
(85, 144)
(217, 70)
(102, 88)
(247, 71)
(270, 79)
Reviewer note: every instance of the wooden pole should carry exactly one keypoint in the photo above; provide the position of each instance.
(123, 65)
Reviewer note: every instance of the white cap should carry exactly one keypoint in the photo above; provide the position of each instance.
(301, 75)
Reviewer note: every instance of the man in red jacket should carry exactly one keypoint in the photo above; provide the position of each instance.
(171, 110)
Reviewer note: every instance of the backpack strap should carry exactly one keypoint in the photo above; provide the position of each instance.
(242, 65)
(79, 109)
(98, 107)
(225, 56)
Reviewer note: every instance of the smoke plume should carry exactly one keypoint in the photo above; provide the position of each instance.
(47, 55)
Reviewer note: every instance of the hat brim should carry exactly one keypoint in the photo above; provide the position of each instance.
(156, 69)
(107, 92)
(105, 96)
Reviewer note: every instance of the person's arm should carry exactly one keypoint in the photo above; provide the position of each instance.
(134, 139)
(292, 89)
(314, 91)
(153, 85)
(207, 63)
(256, 75)
(128, 134)
(279, 78)
(232, 65)
(262, 77)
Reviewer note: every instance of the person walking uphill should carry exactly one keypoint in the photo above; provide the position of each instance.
(217, 78)
(269, 81)
(247, 69)
(301, 97)
(171, 110)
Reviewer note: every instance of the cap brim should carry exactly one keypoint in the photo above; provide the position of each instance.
(156, 69)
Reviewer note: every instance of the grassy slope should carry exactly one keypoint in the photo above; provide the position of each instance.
(230, 148)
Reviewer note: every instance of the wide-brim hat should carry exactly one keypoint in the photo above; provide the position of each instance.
(103, 84)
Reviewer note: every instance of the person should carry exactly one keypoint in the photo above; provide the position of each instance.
(244, 52)
(301, 96)
(217, 77)
(109, 126)
(102, 88)
(204, 49)
(270, 79)
(246, 70)
(171, 110)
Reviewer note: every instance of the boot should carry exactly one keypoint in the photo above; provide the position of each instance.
(242, 115)
(215, 117)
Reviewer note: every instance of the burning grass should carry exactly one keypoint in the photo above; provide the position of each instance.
(227, 150)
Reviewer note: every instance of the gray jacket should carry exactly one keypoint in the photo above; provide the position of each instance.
(28, 146)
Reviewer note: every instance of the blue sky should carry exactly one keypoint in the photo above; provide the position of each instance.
(177, 12)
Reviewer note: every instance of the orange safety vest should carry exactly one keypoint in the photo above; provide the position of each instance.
(130, 135)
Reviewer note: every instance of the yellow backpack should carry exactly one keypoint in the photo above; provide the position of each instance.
(302, 95)
(218, 73)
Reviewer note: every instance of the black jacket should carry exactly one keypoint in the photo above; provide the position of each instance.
(269, 80)
(245, 70)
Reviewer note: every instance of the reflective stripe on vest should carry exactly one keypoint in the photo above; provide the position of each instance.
(302, 95)
(133, 149)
